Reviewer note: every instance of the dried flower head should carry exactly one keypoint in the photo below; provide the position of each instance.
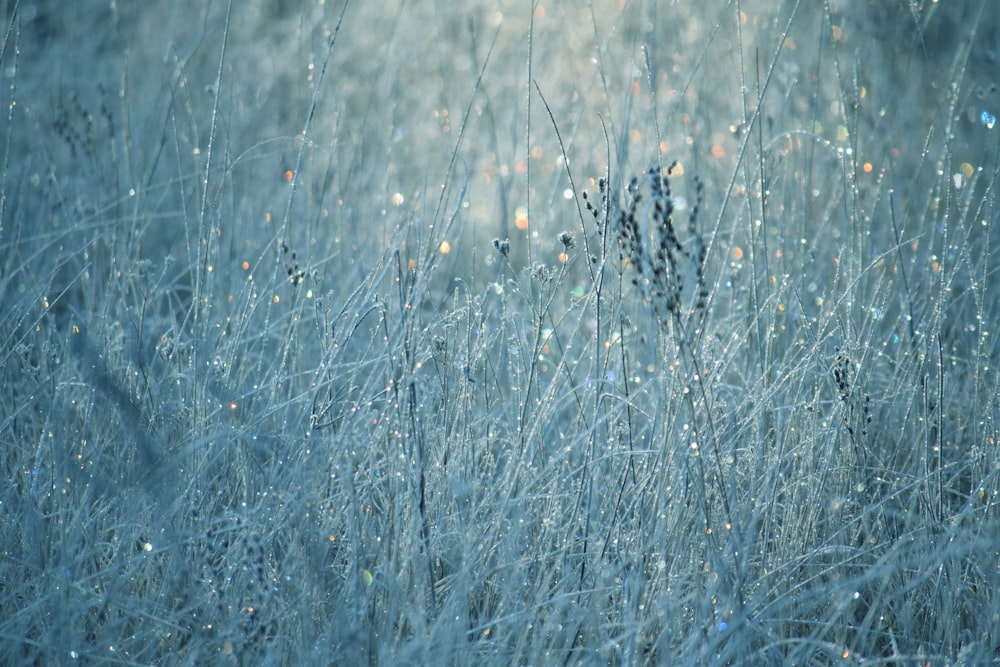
(503, 247)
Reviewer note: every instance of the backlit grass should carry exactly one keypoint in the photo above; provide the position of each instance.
(498, 333)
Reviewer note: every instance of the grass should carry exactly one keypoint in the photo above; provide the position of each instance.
(509, 333)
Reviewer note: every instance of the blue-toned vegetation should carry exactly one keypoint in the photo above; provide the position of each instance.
(499, 333)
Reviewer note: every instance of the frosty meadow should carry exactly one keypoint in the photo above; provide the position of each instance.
(499, 333)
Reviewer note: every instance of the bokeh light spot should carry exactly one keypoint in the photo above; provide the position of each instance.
(521, 218)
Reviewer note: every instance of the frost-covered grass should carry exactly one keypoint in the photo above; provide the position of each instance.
(358, 346)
